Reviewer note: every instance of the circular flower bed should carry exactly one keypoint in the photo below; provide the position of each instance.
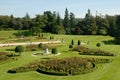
(66, 66)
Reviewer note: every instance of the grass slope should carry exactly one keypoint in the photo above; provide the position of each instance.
(109, 71)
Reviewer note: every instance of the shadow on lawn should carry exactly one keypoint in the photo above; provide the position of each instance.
(109, 42)
(45, 58)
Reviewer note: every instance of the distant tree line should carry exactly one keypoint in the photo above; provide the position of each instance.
(53, 23)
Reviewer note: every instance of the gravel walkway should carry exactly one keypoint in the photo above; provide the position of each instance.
(28, 43)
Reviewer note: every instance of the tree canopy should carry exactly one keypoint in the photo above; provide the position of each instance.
(52, 22)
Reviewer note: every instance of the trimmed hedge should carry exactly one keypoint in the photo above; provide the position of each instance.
(86, 51)
(3, 56)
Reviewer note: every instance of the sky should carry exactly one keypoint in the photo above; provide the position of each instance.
(79, 7)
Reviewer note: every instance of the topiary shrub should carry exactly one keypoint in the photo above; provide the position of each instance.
(79, 42)
(70, 47)
(72, 42)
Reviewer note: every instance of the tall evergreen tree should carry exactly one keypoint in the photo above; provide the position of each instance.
(98, 20)
(90, 24)
(58, 29)
(112, 25)
(72, 23)
(12, 22)
(81, 25)
(66, 22)
(117, 37)
(59, 21)
(27, 16)
(103, 29)
(26, 22)
(72, 20)
(50, 23)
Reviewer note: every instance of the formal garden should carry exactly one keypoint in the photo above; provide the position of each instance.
(76, 56)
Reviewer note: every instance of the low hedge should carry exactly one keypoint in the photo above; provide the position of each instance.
(18, 70)
(51, 73)
(3, 56)
(86, 51)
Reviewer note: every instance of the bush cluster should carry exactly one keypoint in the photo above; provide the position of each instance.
(86, 51)
(51, 37)
(98, 60)
(65, 66)
(31, 47)
(34, 47)
(3, 56)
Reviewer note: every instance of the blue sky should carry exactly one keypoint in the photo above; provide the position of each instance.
(79, 7)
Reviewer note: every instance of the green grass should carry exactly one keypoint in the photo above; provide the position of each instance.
(108, 71)
(10, 37)
(7, 34)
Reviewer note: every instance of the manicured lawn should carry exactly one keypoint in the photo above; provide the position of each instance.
(108, 71)
(7, 34)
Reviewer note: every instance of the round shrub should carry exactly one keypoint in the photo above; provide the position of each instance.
(70, 46)
(19, 49)
(98, 44)
(54, 51)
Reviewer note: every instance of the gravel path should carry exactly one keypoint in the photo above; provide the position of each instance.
(28, 43)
